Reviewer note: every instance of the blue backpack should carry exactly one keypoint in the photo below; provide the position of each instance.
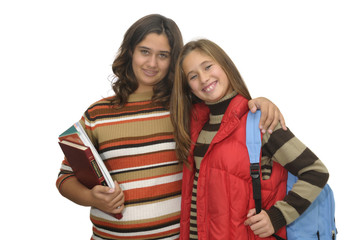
(318, 221)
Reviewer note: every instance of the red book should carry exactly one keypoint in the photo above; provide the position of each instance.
(84, 165)
(76, 134)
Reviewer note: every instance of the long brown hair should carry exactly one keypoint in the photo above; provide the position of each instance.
(182, 98)
(124, 82)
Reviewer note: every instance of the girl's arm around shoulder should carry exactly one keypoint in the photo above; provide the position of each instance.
(270, 114)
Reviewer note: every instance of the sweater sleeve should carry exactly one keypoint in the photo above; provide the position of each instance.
(283, 147)
(65, 173)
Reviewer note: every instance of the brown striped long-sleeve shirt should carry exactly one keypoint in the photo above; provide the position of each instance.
(283, 147)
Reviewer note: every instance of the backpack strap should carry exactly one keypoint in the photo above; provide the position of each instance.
(254, 143)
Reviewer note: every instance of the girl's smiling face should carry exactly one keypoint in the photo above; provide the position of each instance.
(206, 78)
(151, 60)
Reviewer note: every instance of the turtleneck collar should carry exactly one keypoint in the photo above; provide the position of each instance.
(220, 107)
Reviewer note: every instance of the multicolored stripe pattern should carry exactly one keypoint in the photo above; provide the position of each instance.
(137, 145)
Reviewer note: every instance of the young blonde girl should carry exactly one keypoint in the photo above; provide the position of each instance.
(209, 111)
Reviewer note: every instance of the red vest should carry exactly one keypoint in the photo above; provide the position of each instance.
(224, 192)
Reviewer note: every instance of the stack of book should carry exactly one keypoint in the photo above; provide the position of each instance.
(84, 159)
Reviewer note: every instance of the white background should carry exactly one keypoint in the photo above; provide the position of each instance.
(55, 60)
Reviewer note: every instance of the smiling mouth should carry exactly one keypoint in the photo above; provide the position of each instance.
(210, 87)
(150, 73)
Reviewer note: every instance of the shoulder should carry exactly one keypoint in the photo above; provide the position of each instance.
(237, 107)
(98, 108)
(102, 102)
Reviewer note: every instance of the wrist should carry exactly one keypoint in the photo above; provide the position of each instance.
(276, 217)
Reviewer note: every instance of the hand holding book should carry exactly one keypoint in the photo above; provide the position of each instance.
(110, 200)
(89, 168)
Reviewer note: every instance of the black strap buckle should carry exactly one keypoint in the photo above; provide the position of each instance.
(256, 184)
(255, 170)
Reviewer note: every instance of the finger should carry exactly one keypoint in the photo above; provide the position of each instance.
(118, 206)
(283, 122)
(272, 111)
(265, 234)
(252, 220)
(102, 189)
(256, 228)
(260, 226)
(252, 106)
(264, 116)
(248, 222)
(117, 197)
(117, 188)
(118, 209)
(263, 231)
(251, 212)
(267, 117)
(263, 227)
(116, 200)
(274, 123)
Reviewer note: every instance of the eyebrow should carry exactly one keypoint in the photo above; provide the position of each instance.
(147, 48)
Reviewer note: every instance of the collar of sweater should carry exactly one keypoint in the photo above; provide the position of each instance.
(220, 107)
(137, 97)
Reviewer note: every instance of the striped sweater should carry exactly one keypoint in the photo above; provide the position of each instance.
(286, 149)
(281, 147)
(137, 145)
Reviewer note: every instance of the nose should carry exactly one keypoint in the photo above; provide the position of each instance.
(152, 61)
(203, 77)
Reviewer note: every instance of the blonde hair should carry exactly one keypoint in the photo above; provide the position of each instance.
(182, 98)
